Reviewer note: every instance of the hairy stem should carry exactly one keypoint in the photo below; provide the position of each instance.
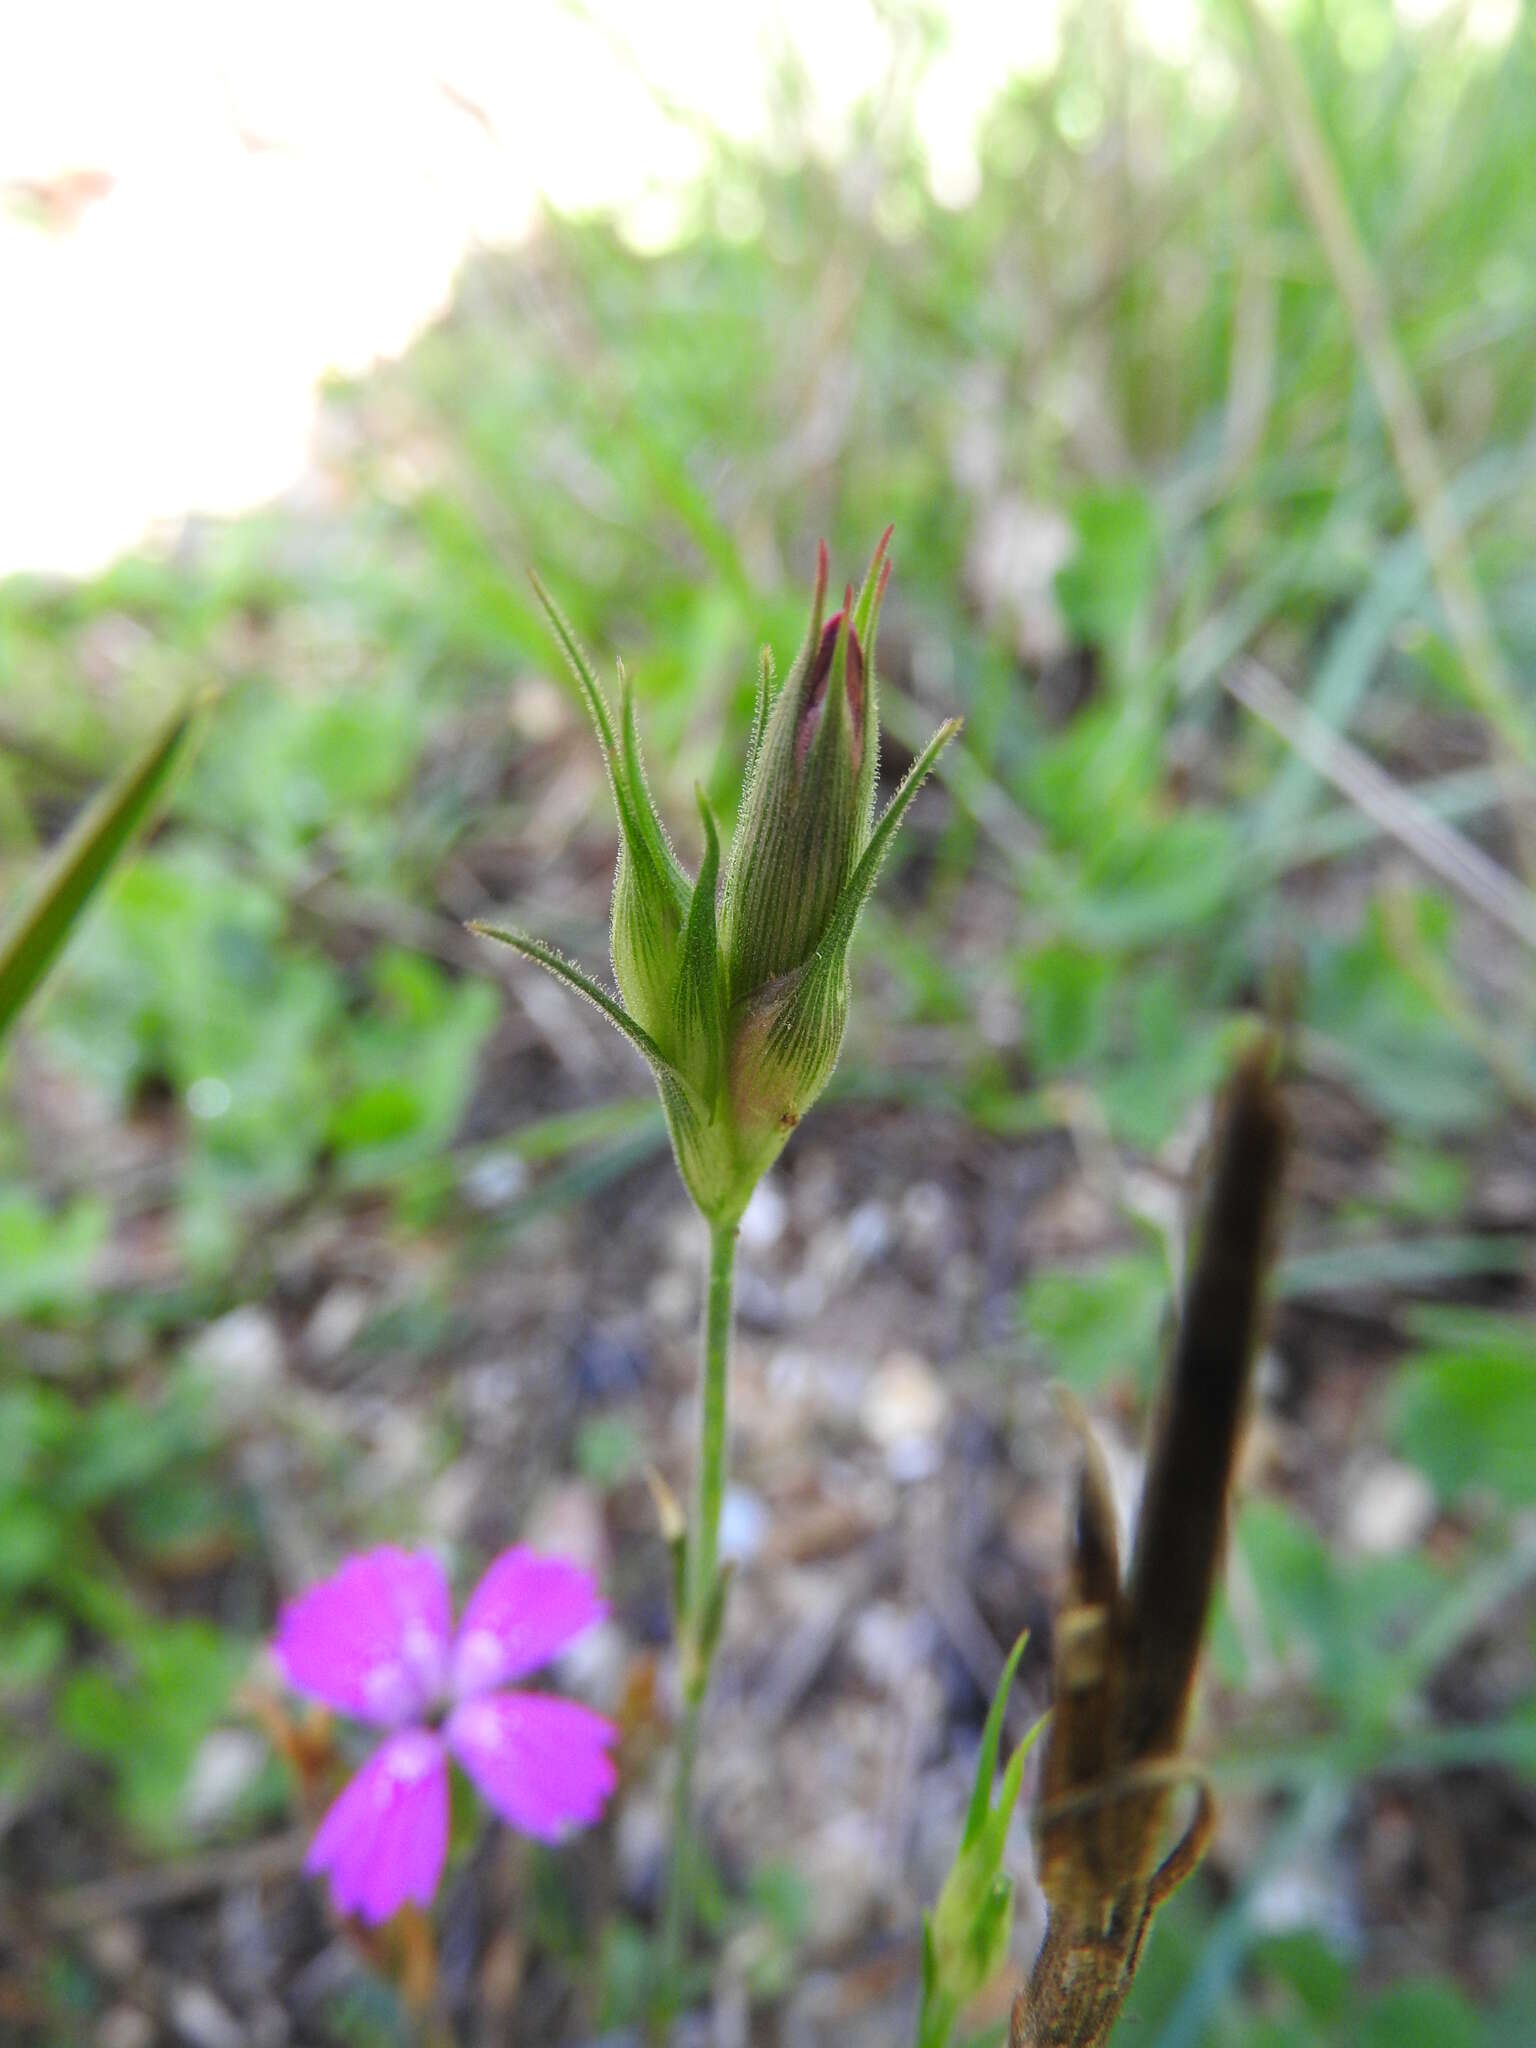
(699, 1624)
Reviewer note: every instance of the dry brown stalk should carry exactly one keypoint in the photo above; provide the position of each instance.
(1127, 1647)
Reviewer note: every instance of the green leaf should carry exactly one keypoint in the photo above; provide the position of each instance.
(46, 1256)
(1108, 580)
(1428, 2012)
(1147, 885)
(1401, 1053)
(1465, 1413)
(30, 1651)
(1101, 1323)
(1316, 1974)
(87, 856)
(33, 1534)
(1175, 1058)
(965, 1938)
(1067, 988)
(148, 1721)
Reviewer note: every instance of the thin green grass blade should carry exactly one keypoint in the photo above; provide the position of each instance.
(991, 1736)
(83, 862)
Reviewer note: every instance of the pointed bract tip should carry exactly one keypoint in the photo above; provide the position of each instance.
(818, 596)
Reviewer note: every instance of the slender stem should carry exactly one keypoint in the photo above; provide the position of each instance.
(709, 1483)
(699, 1623)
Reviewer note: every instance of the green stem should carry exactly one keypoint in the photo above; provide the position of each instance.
(699, 1624)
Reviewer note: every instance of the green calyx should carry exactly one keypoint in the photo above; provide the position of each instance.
(739, 1009)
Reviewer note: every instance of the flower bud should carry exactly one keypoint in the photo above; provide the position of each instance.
(740, 1014)
(805, 814)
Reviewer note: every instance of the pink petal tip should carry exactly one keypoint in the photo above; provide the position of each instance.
(541, 1762)
(384, 1841)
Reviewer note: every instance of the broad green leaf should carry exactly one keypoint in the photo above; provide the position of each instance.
(1102, 1322)
(1465, 1413)
(1109, 578)
(1428, 2011)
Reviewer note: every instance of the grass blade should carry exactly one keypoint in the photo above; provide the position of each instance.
(82, 863)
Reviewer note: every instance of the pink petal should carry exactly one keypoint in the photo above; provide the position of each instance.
(371, 1640)
(539, 1761)
(523, 1611)
(385, 1839)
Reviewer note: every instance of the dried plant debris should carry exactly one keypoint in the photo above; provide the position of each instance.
(1127, 1648)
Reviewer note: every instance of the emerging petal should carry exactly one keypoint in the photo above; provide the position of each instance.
(385, 1839)
(371, 1640)
(525, 1610)
(541, 1762)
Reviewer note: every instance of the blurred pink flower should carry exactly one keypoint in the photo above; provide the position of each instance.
(375, 1641)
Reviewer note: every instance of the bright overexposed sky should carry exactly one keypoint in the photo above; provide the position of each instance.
(246, 194)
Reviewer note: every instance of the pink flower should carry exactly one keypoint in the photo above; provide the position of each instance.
(375, 1641)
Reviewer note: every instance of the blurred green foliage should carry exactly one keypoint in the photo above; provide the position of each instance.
(1116, 410)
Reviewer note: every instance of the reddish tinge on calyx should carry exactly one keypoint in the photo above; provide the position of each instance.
(821, 670)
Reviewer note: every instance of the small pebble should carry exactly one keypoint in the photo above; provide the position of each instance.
(805, 1296)
(871, 1233)
(269, 2026)
(845, 1867)
(567, 1521)
(887, 1644)
(672, 1299)
(1387, 1508)
(593, 1666)
(904, 1411)
(744, 1522)
(603, 1365)
(202, 2021)
(764, 1218)
(333, 1328)
(124, 2026)
(641, 1834)
(495, 1182)
(760, 1302)
(925, 1213)
(242, 1353)
(116, 1947)
(227, 1763)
